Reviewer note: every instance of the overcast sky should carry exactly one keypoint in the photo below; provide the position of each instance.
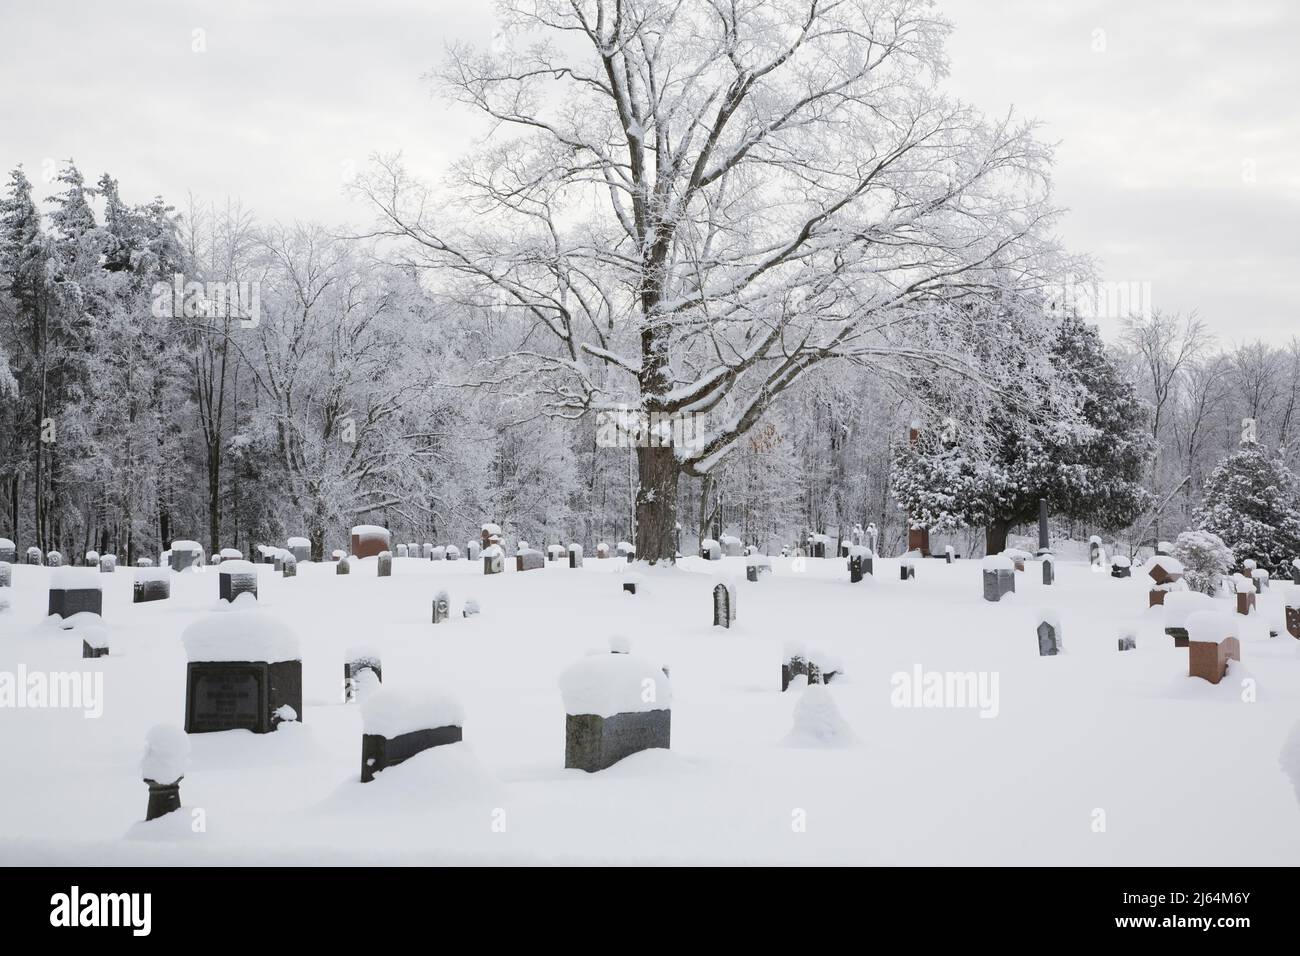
(1179, 140)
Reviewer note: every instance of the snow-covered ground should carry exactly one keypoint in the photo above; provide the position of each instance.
(1090, 757)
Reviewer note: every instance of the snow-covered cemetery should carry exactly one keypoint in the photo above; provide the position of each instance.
(666, 432)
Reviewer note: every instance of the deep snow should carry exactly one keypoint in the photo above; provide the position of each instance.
(1184, 772)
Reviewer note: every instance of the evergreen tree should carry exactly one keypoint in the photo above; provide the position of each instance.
(1250, 502)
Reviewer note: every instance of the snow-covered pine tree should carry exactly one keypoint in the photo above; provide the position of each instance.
(1086, 460)
(1250, 502)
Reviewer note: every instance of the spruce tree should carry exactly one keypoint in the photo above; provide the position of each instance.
(1250, 502)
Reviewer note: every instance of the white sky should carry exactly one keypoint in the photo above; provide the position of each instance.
(1179, 142)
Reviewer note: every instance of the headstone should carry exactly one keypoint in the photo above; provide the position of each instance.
(490, 535)
(33, 555)
(1017, 557)
(92, 559)
(1179, 606)
(817, 545)
(398, 725)
(451, 552)
(1260, 577)
(575, 555)
(1049, 637)
(1120, 567)
(151, 584)
(529, 560)
(999, 577)
(724, 605)
(1156, 596)
(338, 554)
(1049, 568)
(370, 540)
(231, 554)
(441, 607)
(1164, 548)
(384, 564)
(602, 550)
(244, 673)
(472, 551)
(144, 562)
(8, 551)
(1095, 553)
(1295, 570)
(861, 563)
(107, 563)
(1245, 602)
(300, 548)
(402, 551)
(906, 570)
(54, 559)
(1164, 570)
(626, 551)
(615, 705)
(343, 567)
(757, 564)
(412, 549)
(361, 665)
(631, 582)
(6, 574)
(470, 609)
(1208, 660)
(1293, 619)
(185, 555)
(166, 756)
(710, 550)
(872, 538)
(493, 559)
(94, 642)
(554, 552)
(948, 554)
(439, 553)
(1127, 641)
(289, 566)
(235, 578)
(75, 591)
(426, 551)
(731, 546)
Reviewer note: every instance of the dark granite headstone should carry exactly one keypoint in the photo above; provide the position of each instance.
(907, 571)
(575, 555)
(231, 584)
(144, 591)
(1049, 569)
(353, 668)
(1049, 639)
(493, 563)
(724, 606)
(593, 743)
(530, 560)
(998, 583)
(1179, 634)
(240, 695)
(66, 602)
(379, 753)
(87, 650)
(384, 564)
(289, 566)
(164, 798)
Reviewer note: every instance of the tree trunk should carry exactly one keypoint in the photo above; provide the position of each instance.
(656, 504)
(995, 537)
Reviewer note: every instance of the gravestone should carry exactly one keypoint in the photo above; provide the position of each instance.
(235, 578)
(397, 726)
(607, 713)
(361, 664)
(384, 564)
(94, 642)
(370, 540)
(1261, 579)
(1095, 554)
(402, 551)
(757, 564)
(1164, 570)
(91, 559)
(493, 560)
(472, 551)
(166, 756)
(451, 552)
(439, 553)
(999, 578)
(948, 554)
(33, 555)
(1213, 641)
(215, 559)
(151, 584)
(185, 555)
(861, 563)
(54, 559)
(8, 551)
(75, 591)
(724, 605)
(343, 567)
(1044, 545)
(872, 538)
(1127, 642)
(144, 562)
(244, 673)
(554, 552)
(529, 560)
(470, 609)
(906, 570)
(1295, 570)
(731, 546)
(1049, 637)
(300, 548)
(575, 555)
(338, 554)
(426, 551)
(1049, 569)
(289, 566)
(1245, 598)
(631, 582)
(231, 554)
(6, 574)
(1179, 606)
(441, 607)
(107, 563)
(710, 550)
(1121, 567)
(1293, 620)
(625, 550)
(602, 550)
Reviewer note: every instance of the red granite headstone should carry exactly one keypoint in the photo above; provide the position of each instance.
(1209, 659)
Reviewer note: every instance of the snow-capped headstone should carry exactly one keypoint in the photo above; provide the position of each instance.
(370, 540)
(1049, 635)
(1213, 641)
(872, 538)
(710, 550)
(166, 758)
(54, 559)
(615, 705)
(470, 609)
(450, 553)
(1292, 613)
(289, 565)
(344, 566)
(472, 550)
(1245, 589)
(244, 671)
(1179, 606)
(948, 554)
(554, 552)
(575, 555)
(185, 555)
(300, 548)
(384, 564)
(235, 578)
(1127, 640)
(529, 560)
(1017, 557)
(8, 551)
(91, 559)
(493, 559)
(907, 570)
(731, 546)
(1096, 555)
(632, 581)
(151, 584)
(107, 563)
(1120, 567)
(402, 551)
(440, 553)
(94, 642)
(1164, 569)
(6, 574)
(362, 668)
(426, 551)
(33, 555)
(397, 725)
(338, 554)
(1049, 568)
(1261, 578)
(144, 562)
(490, 535)
(999, 577)
(861, 563)
(625, 550)
(441, 607)
(756, 564)
(724, 605)
(75, 591)
(602, 550)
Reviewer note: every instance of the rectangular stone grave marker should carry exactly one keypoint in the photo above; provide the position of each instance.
(1049, 638)
(1208, 660)
(593, 743)
(998, 583)
(384, 564)
(232, 583)
(724, 606)
(240, 695)
(378, 752)
(575, 555)
(530, 560)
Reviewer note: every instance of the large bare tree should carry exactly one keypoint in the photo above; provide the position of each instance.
(687, 204)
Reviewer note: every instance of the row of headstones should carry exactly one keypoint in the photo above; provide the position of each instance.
(106, 563)
(862, 563)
